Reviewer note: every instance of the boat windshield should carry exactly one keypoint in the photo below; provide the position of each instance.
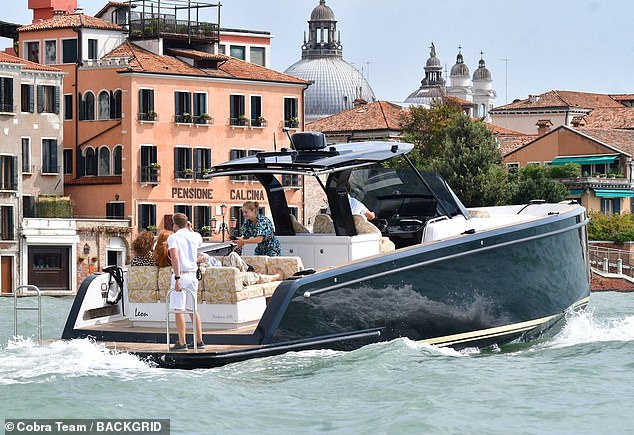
(402, 192)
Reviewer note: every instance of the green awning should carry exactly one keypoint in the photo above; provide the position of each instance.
(576, 191)
(585, 160)
(614, 193)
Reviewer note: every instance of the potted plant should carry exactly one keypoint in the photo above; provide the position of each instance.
(205, 230)
(293, 121)
(205, 116)
(186, 117)
(260, 120)
(155, 165)
(151, 115)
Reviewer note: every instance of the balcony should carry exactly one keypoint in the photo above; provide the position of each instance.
(150, 116)
(291, 123)
(258, 122)
(203, 120)
(159, 25)
(183, 118)
(7, 109)
(150, 174)
(239, 122)
(184, 174)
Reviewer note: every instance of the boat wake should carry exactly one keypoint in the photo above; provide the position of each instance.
(585, 327)
(23, 361)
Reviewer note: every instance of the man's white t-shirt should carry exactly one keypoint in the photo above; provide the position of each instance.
(356, 206)
(187, 243)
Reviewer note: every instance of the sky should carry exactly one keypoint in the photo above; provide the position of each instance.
(530, 47)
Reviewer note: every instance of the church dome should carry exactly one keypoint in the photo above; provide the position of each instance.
(459, 69)
(336, 84)
(482, 73)
(322, 12)
(433, 62)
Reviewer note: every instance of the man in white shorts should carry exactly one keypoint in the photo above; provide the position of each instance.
(183, 251)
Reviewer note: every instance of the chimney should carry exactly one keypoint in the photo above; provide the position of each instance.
(543, 126)
(45, 9)
(359, 102)
(578, 121)
(533, 98)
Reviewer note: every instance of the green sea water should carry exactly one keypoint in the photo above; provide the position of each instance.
(581, 381)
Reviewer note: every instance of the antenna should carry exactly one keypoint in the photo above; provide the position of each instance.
(506, 79)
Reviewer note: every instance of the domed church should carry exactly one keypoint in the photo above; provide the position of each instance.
(337, 85)
(477, 89)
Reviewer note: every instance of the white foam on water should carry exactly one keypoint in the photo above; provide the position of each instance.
(583, 327)
(23, 361)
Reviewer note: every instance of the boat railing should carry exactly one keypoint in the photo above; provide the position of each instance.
(611, 260)
(167, 316)
(19, 290)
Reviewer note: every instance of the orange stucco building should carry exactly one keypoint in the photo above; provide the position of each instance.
(147, 111)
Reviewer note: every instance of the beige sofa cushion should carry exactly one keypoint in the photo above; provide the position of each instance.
(142, 283)
(323, 225)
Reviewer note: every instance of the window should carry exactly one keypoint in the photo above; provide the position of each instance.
(8, 173)
(513, 168)
(182, 106)
(49, 156)
(104, 105)
(236, 154)
(290, 180)
(69, 51)
(202, 217)
(147, 216)
(90, 161)
(28, 206)
(87, 107)
(611, 206)
(6, 223)
(200, 107)
(183, 167)
(294, 211)
(146, 104)
(104, 161)
(26, 155)
(27, 98)
(222, 49)
(237, 110)
(115, 210)
(50, 52)
(92, 49)
(258, 56)
(256, 111)
(47, 99)
(33, 51)
(202, 161)
(115, 105)
(237, 51)
(68, 161)
(68, 107)
(150, 172)
(6, 94)
(185, 209)
(117, 160)
(291, 120)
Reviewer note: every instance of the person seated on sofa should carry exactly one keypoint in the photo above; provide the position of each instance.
(161, 253)
(234, 260)
(142, 247)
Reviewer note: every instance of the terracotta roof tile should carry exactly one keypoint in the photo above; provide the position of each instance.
(108, 5)
(617, 138)
(7, 58)
(380, 115)
(197, 54)
(511, 142)
(142, 60)
(612, 117)
(65, 21)
(555, 98)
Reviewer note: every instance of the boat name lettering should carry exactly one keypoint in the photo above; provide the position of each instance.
(192, 193)
(138, 313)
(249, 195)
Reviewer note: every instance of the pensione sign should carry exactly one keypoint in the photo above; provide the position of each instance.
(192, 193)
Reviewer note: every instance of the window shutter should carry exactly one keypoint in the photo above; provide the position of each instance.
(141, 108)
(177, 162)
(177, 107)
(56, 102)
(30, 98)
(113, 111)
(151, 100)
(14, 172)
(40, 99)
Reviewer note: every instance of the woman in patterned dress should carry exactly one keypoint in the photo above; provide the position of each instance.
(258, 229)
(142, 247)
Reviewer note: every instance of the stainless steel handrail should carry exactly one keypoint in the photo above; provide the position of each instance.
(17, 291)
(167, 317)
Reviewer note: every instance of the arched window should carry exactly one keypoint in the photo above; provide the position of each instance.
(115, 106)
(89, 106)
(104, 105)
(104, 161)
(90, 161)
(117, 160)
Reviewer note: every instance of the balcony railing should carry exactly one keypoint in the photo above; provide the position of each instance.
(258, 122)
(153, 27)
(150, 116)
(183, 118)
(185, 173)
(238, 122)
(7, 108)
(150, 174)
(291, 123)
(203, 120)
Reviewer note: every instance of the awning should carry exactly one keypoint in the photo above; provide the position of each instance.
(614, 193)
(576, 191)
(585, 160)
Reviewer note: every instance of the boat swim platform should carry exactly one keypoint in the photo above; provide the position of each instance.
(127, 325)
